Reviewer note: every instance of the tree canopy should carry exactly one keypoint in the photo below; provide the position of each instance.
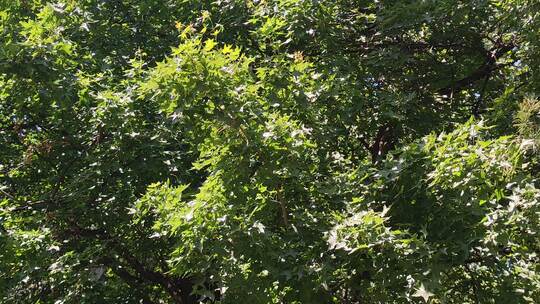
(269, 151)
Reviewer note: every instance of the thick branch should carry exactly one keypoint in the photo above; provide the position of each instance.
(178, 288)
(382, 143)
(134, 282)
(485, 70)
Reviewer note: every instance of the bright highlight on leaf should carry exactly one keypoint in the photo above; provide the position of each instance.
(423, 293)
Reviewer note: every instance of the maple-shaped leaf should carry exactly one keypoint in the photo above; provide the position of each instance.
(423, 293)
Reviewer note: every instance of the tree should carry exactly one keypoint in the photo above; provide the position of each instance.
(269, 151)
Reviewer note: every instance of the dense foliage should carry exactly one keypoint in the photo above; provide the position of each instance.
(269, 151)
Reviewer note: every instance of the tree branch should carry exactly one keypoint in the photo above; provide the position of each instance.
(178, 288)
